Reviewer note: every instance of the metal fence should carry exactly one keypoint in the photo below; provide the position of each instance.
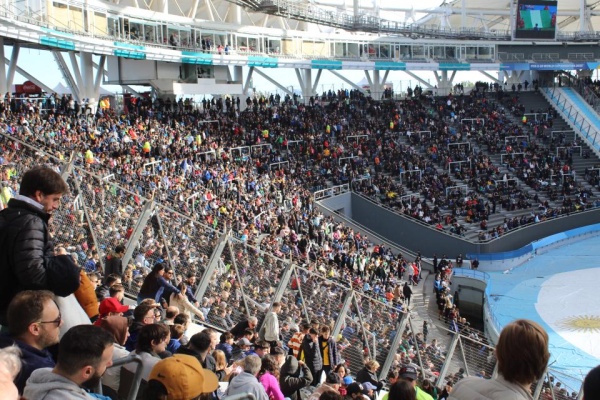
(237, 279)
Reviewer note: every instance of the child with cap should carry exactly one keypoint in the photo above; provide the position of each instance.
(180, 377)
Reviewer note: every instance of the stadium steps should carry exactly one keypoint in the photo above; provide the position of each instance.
(537, 101)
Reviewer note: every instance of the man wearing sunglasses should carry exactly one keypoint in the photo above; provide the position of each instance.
(34, 323)
(28, 259)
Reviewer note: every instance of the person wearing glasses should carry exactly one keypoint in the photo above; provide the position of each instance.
(143, 315)
(34, 322)
(28, 259)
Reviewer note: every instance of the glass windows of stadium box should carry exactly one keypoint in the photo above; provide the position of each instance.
(246, 44)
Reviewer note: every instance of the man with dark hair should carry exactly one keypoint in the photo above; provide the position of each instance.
(34, 322)
(28, 260)
(295, 343)
(113, 264)
(103, 291)
(522, 353)
(329, 350)
(142, 315)
(85, 354)
(201, 346)
(191, 288)
(312, 355)
(270, 327)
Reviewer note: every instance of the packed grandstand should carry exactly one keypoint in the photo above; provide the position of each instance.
(222, 195)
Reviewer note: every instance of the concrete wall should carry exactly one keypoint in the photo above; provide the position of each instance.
(413, 235)
(342, 204)
(471, 292)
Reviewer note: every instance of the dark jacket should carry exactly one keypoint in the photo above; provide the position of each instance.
(364, 375)
(227, 349)
(113, 265)
(312, 354)
(102, 292)
(27, 260)
(334, 355)
(238, 330)
(208, 363)
(31, 359)
(134, 331)
(290, 380)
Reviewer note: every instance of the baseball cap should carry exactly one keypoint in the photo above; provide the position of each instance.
(348, 380)
(369, 386)
(111, 304)
(183, 377)
(354, 387)
(408, 372)
(244, 342)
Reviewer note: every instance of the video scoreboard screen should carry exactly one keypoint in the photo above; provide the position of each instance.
(536, 19)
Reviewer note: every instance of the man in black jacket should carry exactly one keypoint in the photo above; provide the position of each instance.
(201, 346)
(28, 260)
(113, 264)
(312, 355)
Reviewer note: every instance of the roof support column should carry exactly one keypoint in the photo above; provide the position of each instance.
(27, 75)
(348, 81)
(316, 83)
(375, 87)
(514, 77)
(248, 82)
(424, 82)
(583, 19)
(12, 66)
(444, 83)
(3, 87)
(273, 81)
(64, 69)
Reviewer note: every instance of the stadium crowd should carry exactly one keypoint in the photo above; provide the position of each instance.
(251, 172)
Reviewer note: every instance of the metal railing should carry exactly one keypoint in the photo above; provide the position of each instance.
(575, 116)
(248, 279)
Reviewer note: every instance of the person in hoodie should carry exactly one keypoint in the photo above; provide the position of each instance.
(246, 381)
(86, 351)
(290, 380)
(34, 323)
(117, 326)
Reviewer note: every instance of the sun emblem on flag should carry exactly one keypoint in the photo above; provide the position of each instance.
(582, 323)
